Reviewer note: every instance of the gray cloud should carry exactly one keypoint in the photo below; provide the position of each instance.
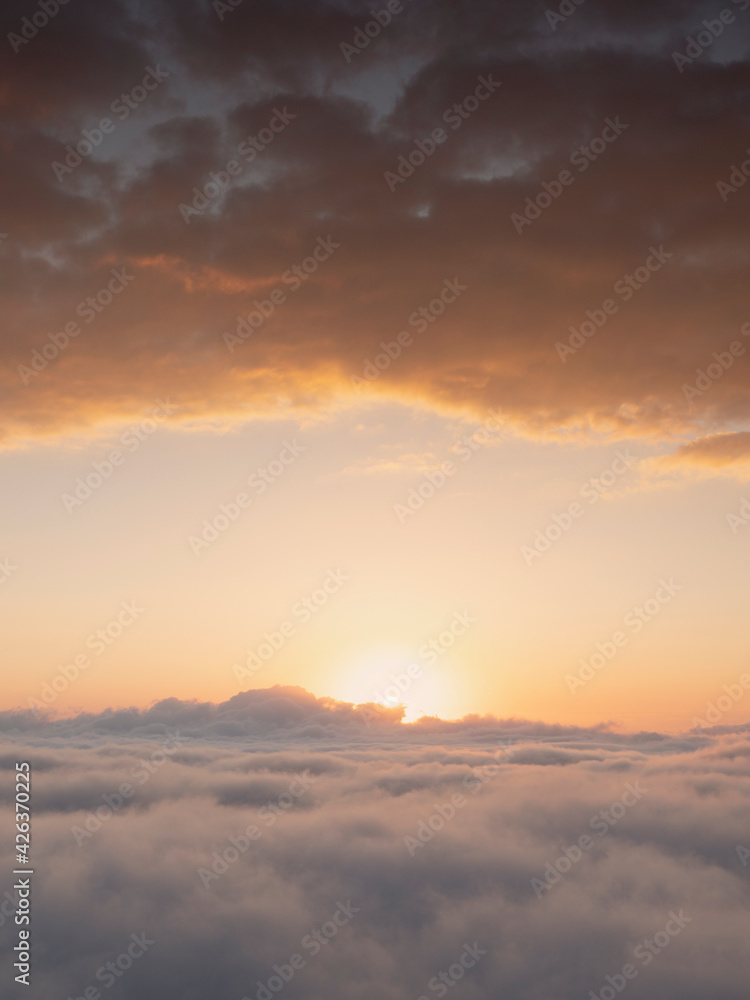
(332, 814)
(324, 175)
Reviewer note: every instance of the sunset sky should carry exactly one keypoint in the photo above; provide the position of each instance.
(375, 521)
(551, 293)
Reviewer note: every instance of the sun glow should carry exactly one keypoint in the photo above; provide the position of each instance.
(392, 676)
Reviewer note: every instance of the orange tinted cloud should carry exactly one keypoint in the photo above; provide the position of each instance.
(727, 453)
(652, 193)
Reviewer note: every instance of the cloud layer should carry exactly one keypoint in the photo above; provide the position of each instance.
(231, 849)
(644, 187)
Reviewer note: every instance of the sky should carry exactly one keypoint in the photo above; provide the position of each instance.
(375, 451)
(377, 347)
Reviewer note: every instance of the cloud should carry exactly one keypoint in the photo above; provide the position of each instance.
(429, 835)
(290, 714)
(716, 453)
(323, 177)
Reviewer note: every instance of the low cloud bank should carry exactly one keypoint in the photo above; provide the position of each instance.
(275, 844)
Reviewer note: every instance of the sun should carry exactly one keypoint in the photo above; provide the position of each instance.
(392, 676)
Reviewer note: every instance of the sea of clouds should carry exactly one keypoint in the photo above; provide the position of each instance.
(279, 844)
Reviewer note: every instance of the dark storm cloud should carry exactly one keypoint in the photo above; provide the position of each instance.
(230, 854)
